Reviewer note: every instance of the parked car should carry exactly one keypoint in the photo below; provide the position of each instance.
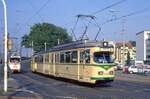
(137, 69)
(146, 68)
(118, 67)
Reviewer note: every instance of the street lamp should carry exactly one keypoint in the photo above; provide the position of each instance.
(5, 47)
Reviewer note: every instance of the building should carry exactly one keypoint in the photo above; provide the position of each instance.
(143, 47)
(120, 52)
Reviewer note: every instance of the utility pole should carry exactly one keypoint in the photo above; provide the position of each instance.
(5, 47)
(123, 35)
(58, 41)
(32, 49)
(45, 46)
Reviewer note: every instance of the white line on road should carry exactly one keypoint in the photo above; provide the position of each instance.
(66, 97)
(38, 96)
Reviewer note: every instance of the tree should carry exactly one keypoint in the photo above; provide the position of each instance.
(45, 33)
(128, 62)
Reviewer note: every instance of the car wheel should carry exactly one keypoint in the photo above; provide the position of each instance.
(131, 72)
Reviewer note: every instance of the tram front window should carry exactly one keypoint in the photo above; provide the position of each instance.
(15, 60)
(100, 57)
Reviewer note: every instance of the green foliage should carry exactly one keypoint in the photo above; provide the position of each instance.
(128, 62)
(45, 32)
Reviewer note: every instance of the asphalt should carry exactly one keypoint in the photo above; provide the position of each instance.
(14, 88)
(141, 78)
(18, 91)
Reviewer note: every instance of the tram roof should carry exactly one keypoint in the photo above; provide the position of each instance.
(81, 44)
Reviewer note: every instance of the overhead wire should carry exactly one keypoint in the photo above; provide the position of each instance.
(118, 18)
(44, 5)
(99, 29)
(103, 9)
(107, 7)
(128, 15)
(34, 9)
(86, 27)
(74, 28)
(30, 18)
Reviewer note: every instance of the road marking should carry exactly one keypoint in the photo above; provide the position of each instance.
(11, 79)
(146, 89)
(38, 96)
(66, 97)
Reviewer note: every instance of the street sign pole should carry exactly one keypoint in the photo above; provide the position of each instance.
(5, 47)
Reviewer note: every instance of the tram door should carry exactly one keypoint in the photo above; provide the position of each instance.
(82, 64)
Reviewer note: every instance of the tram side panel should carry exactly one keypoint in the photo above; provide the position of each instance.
(81, 68)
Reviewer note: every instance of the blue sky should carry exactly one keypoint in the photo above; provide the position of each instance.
(22, 15)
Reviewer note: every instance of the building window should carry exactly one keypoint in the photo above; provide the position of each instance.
(147, 56)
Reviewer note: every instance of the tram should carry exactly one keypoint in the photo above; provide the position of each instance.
(15, 63)
(83, 61)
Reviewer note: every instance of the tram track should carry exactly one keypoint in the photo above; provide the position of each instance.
(82, 89)
(43, 86)
(51, 88)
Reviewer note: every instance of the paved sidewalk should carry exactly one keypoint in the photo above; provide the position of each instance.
(15, 91)
(133, 77)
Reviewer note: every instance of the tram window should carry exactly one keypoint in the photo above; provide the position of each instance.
(67, 57)
(87, 56)
(47, 58)
(16, 60)
(74, 57)
(100, 57)
(52, 58)
(62, 58)
(57, 58)
(40, 58)
(81, 57)
(36, 59)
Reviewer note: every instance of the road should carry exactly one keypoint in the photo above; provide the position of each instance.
(50, 88)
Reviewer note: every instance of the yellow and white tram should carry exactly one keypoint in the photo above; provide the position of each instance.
(84, 61)
(15, 63)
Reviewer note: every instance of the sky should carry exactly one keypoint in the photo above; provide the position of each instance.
(22, 14)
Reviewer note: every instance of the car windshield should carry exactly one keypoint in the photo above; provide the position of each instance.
(100, 57)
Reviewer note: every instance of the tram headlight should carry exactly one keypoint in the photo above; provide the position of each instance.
(100, 73)
(111, 72)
